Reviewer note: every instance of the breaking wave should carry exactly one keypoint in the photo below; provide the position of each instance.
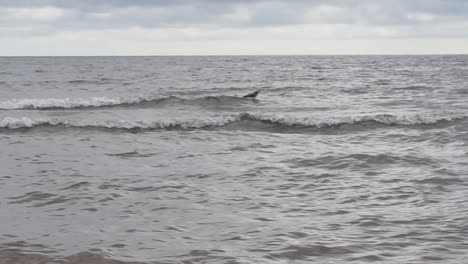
(242, 121)
(95, 102)
(25, 122)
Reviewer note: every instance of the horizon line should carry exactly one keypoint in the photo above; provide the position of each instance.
(240, 55)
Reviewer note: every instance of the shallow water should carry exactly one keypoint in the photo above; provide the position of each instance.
(340, 159)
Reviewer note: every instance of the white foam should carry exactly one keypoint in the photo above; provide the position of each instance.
(25, 122)
(222, 120)
(64, 103)
(386, 119)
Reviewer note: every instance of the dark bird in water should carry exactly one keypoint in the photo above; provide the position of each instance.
(251, 95)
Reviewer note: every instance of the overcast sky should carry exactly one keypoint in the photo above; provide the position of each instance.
(217, 27)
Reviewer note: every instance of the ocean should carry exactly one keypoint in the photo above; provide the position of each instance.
(340, 159)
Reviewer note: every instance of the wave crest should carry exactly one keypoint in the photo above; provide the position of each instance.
(95, 102)
(382, 119)
(25, 122)
(66, 103)
(243, 121)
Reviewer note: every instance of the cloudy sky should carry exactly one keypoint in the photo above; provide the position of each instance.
(217, 27)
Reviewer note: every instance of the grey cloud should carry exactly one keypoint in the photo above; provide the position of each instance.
(117, 14)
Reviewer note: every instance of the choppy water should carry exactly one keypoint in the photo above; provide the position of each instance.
(157, 160)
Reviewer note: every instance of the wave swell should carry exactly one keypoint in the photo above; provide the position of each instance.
(96, 102)
(243, 121)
